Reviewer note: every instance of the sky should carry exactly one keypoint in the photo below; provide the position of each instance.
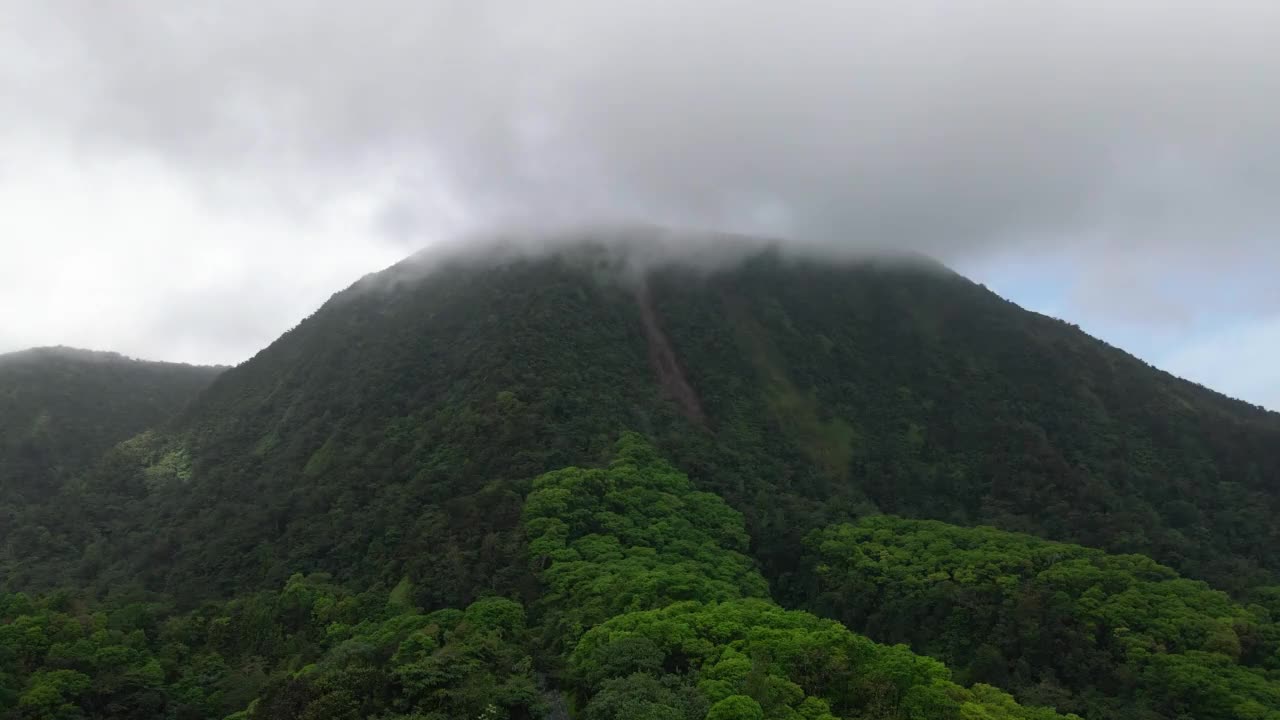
(185, 181)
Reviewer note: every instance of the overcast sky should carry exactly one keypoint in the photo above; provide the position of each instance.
(185, 181)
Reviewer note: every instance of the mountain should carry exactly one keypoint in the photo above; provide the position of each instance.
(62, 408)
(650, 610)
(380, 457)
(394, 430)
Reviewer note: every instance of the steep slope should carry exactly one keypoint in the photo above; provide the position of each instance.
(650, 610)
(661, 616)
(394, 432)
(61, 408)
(935, 398)
(391, 433)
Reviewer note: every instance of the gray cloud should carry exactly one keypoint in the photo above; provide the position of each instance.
(1137, 139)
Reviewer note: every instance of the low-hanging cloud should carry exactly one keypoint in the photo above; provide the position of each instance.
(1136, 140)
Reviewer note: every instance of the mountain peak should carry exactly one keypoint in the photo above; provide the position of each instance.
(54, 353)
(392, 438)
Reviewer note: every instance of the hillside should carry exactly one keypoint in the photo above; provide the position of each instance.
(1113, 636)
(395, 430)
(62, 408)
(649, 610)
(417, 501)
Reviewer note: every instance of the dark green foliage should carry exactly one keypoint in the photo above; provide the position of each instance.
(643, 696)
(634, 536)
(394, 432)
(736, 707)
(910, 390)
(1107, 636)
(470, 665)
(675, 647)
(308, 651)
(61, 408)
(666, 649)
(390, 439)
(791, 663)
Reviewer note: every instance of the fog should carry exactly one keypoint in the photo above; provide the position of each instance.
(185, 181)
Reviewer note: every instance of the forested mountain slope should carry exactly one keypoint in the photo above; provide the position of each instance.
(649, 611)
(1104, 636)
(395, 431)
(62, 408)
(445, 434)
(932, 397)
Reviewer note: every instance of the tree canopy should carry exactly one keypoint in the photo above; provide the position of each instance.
(1114, 636)
(307, 534)
(690, 631)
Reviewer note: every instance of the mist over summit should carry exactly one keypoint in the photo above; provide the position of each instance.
(628, 252)
(407, 438)
(646, 361)
(1042, 151)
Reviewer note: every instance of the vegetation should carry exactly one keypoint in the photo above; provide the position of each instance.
(677, 624)
(61, 408)
(395, 432)
(309, 650)
(902, 389)
(664, 618)
(1107, 636)
(443, 441)
(634, 536)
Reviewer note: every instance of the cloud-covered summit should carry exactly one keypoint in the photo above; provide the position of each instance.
(270, 148)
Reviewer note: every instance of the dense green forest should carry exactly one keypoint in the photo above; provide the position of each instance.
(677, 622)
(411, 447)
(308, 650)
(62, 408)
(651, 611)
(411, 411)
(1106, 636)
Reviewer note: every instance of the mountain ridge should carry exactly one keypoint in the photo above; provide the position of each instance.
(512, 435)
(62, 407)
(44, 353)
(835, 388)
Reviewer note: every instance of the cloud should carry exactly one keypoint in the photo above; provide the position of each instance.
(1225, 359)
(1136, 139)
(170, 279)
